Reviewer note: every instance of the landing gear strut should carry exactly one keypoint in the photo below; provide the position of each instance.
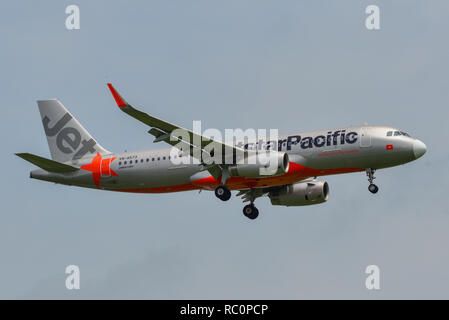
(223, 193)
(370, 174)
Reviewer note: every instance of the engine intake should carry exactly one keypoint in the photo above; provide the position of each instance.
(300, 194)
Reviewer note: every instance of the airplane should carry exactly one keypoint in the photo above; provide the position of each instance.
(77, 159)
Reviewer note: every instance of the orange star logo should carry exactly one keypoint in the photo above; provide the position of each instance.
(100, 167)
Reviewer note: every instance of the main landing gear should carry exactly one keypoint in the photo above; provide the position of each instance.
(370, 174)
(250, 211)
(223, 193)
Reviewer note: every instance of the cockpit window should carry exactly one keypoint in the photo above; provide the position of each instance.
(397, 133)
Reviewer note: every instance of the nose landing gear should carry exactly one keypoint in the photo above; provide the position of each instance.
(370, 174)
(373, 188)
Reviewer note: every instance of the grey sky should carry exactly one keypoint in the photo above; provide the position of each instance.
(291, 65)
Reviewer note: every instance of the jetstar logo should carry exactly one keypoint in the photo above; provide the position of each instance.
(68, 139)
(100, 167)
(331, 138)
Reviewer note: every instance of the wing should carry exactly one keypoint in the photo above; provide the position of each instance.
(185, 140)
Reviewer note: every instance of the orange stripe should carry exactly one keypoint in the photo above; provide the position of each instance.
(295, 173)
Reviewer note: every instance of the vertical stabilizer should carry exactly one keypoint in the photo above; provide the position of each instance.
(67, 138)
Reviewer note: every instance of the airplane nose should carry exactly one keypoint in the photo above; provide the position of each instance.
(419, 148)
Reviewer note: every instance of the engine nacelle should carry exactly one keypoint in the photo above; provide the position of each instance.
(300, 194)
(262, 165)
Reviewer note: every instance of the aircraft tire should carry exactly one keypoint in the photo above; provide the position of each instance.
(250, 211)
(223, 193)
(373, 188)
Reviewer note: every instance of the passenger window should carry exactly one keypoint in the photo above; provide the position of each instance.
(120, 163)
(148, 159)
(141, 160)
(163, 158)
(136, 161)
(152, 159)
(389, 133)
(125, 162)
(158, 158)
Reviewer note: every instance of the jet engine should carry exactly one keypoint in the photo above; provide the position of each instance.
(300, 194)
(262, 165)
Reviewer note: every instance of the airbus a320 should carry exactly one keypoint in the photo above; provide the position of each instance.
(77, 159)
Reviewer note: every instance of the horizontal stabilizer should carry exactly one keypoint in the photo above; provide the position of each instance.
(47, 164)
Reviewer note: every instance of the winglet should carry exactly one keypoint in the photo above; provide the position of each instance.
(120, 101)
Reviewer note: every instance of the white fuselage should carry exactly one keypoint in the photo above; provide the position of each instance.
(311, 154)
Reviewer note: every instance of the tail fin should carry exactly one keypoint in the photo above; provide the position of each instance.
(67, 138)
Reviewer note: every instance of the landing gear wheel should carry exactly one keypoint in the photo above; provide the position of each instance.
(250, 211)
(370, 174)
(373, 188)
(222, 193)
